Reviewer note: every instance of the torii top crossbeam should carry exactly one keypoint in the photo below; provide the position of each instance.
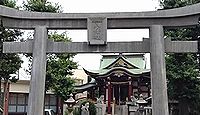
(185, 16)
(179, 17)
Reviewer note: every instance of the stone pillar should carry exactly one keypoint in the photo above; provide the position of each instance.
(130, 90)
(109, 97)
(158, 71)
(38, 73)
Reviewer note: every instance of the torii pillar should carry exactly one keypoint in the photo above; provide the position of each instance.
(158, 71)
(38, 73)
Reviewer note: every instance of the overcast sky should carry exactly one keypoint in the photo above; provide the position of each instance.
(107, 5)
(92, 61)
(80, 6)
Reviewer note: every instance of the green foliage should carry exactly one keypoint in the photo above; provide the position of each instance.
(59, 68)
(1, 2)
(92, 108)
(76, 112)
(41, 6)
(9, 3)
(183, 79)
(62, 86)
(9, 63)
(183, 69)
(57, 37)
(183, 76)
(168, 4)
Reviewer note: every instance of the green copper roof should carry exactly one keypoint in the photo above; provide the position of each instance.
(132, 65)
(136, 60)
(106, 71)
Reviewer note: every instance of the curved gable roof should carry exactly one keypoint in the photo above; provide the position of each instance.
(128, 61)
(106, 72)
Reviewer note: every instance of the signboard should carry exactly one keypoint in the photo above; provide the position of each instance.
(97, 30)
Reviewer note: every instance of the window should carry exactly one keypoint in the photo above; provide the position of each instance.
(13, 99)
(18, 102)
(51, 102)
(21, 108)
(21, 99)
(12, 108)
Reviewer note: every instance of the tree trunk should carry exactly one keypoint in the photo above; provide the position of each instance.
(6, 97)
(1, 99)
(60, 106)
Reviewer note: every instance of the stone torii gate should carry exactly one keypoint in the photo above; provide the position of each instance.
(97, 25)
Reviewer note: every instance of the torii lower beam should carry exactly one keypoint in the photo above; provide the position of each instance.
(111, 47)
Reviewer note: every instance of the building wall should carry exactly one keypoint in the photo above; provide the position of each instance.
(80, 74)
(18, 103)
(21, 86)
(81, 78)
(18, 99)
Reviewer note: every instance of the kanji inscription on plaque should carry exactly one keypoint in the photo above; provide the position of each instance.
(97, 30)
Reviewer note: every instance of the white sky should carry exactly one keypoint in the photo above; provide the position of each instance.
(92, 61)
(107, 5)
(80, 6)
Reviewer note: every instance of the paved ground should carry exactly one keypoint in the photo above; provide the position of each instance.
(121, 110)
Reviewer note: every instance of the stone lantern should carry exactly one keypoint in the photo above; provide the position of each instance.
(142, 103)
(70, 103)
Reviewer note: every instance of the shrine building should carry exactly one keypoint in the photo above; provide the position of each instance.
(118, 78)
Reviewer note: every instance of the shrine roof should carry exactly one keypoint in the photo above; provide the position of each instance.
(136, 61)
(105, 72)
(83, 87)
(128, 64)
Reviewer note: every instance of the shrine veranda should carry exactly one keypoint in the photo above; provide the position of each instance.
(97, 25)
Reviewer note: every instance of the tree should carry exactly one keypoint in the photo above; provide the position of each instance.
(59, 66)
(9, 63)
(169, 4)
(41, 6)
(9, 3)
(183, 69)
